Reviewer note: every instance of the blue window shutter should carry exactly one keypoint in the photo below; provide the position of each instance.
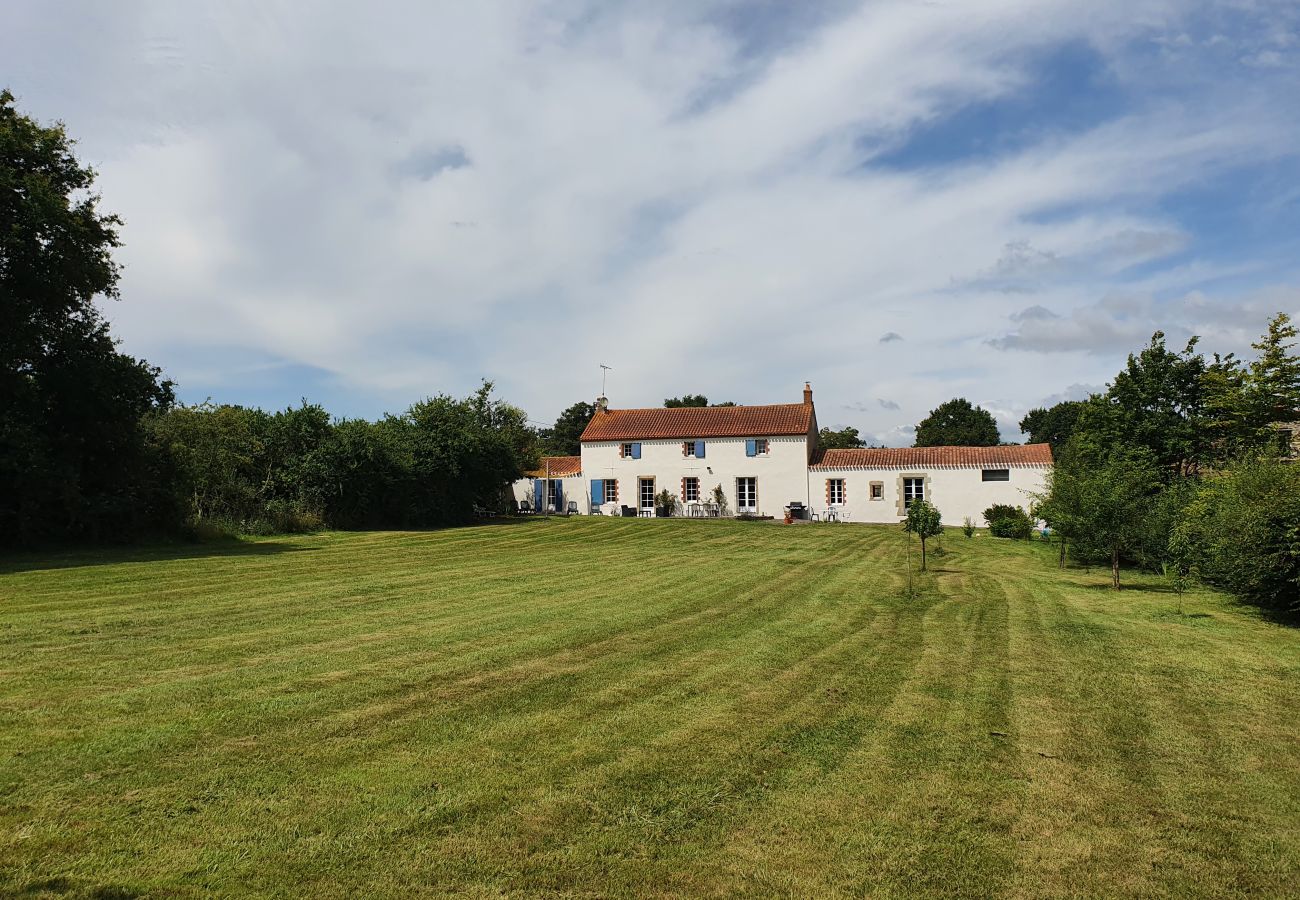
(751, 447)
(559, 495)
(636, 451)
(538, 496)
(699, 449)
(597, 491)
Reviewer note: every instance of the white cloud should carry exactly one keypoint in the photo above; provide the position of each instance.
(414, 198)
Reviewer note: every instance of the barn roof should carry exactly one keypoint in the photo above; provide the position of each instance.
(935, 457)
(561, 467)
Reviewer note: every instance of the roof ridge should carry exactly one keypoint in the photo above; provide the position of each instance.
(687, 422)
(677, 409)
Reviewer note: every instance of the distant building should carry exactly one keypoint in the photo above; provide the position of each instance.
(762, 459)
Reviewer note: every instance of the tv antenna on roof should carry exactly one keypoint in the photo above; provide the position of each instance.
(604, 370)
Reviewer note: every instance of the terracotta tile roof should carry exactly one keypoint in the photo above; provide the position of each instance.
(699, 422)
(561, 467)
(935, 457)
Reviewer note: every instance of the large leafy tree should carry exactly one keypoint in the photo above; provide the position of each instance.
(1052, 425)
(959, 424)
(689, 400)
(565, 437)
(73, 455)
(685, 400)
(842, 439)
(1157, 403)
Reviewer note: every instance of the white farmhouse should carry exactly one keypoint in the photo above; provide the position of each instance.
(762, 459)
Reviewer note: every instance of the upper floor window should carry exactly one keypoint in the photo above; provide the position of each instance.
(834, 490)
(756, 447)
(693, 449)
(630, 451)
(913, 490)
(995, 475)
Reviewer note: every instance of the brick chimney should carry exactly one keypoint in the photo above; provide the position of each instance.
(807, 394)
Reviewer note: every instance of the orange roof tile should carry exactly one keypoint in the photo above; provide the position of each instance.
(561, 467)
(935, 457)
(699, 422)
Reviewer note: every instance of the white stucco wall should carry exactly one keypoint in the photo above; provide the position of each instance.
(957, 492)
(574, 488)
(782, 473)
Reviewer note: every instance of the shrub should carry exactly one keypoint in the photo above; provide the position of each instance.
(968, 527)
(666, 501)
(1241, 531)
(1008, 521)
(293, 517)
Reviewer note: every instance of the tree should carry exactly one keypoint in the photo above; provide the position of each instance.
(1102, 500)
(924, 520)
(691, 400)
(1053, 425)
(844, 439)
(957, 423)
(565, 437)
(74, 459)
(1158, 404)
(1273, 382)
(685, 401)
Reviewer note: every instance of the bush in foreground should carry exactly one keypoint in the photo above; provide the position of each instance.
(1008, 521)
(1241, 532)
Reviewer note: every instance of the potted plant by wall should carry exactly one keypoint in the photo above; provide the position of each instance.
(665, 503)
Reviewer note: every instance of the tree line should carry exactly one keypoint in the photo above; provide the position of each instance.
(1183, 465)
(93, 445)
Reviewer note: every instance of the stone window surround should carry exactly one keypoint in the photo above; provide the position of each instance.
(925, 486)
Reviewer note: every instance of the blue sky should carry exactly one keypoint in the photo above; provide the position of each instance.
(366, 205)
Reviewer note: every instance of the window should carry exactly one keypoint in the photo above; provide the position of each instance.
(995, 475)
(877, 490)
(611, 490)
(746, 495)
(834, 490)
(756, 447)
(630, 451)
(688, 448)
(690, 490)
(553, 493)
(913, 489)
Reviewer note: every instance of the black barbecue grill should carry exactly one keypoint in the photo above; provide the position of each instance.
(797, 510)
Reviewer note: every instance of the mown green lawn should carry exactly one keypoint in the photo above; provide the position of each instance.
(619, 707)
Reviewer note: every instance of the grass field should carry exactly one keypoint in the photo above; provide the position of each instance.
(619, 707)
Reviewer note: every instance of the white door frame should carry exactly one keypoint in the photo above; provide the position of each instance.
(752, 506)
